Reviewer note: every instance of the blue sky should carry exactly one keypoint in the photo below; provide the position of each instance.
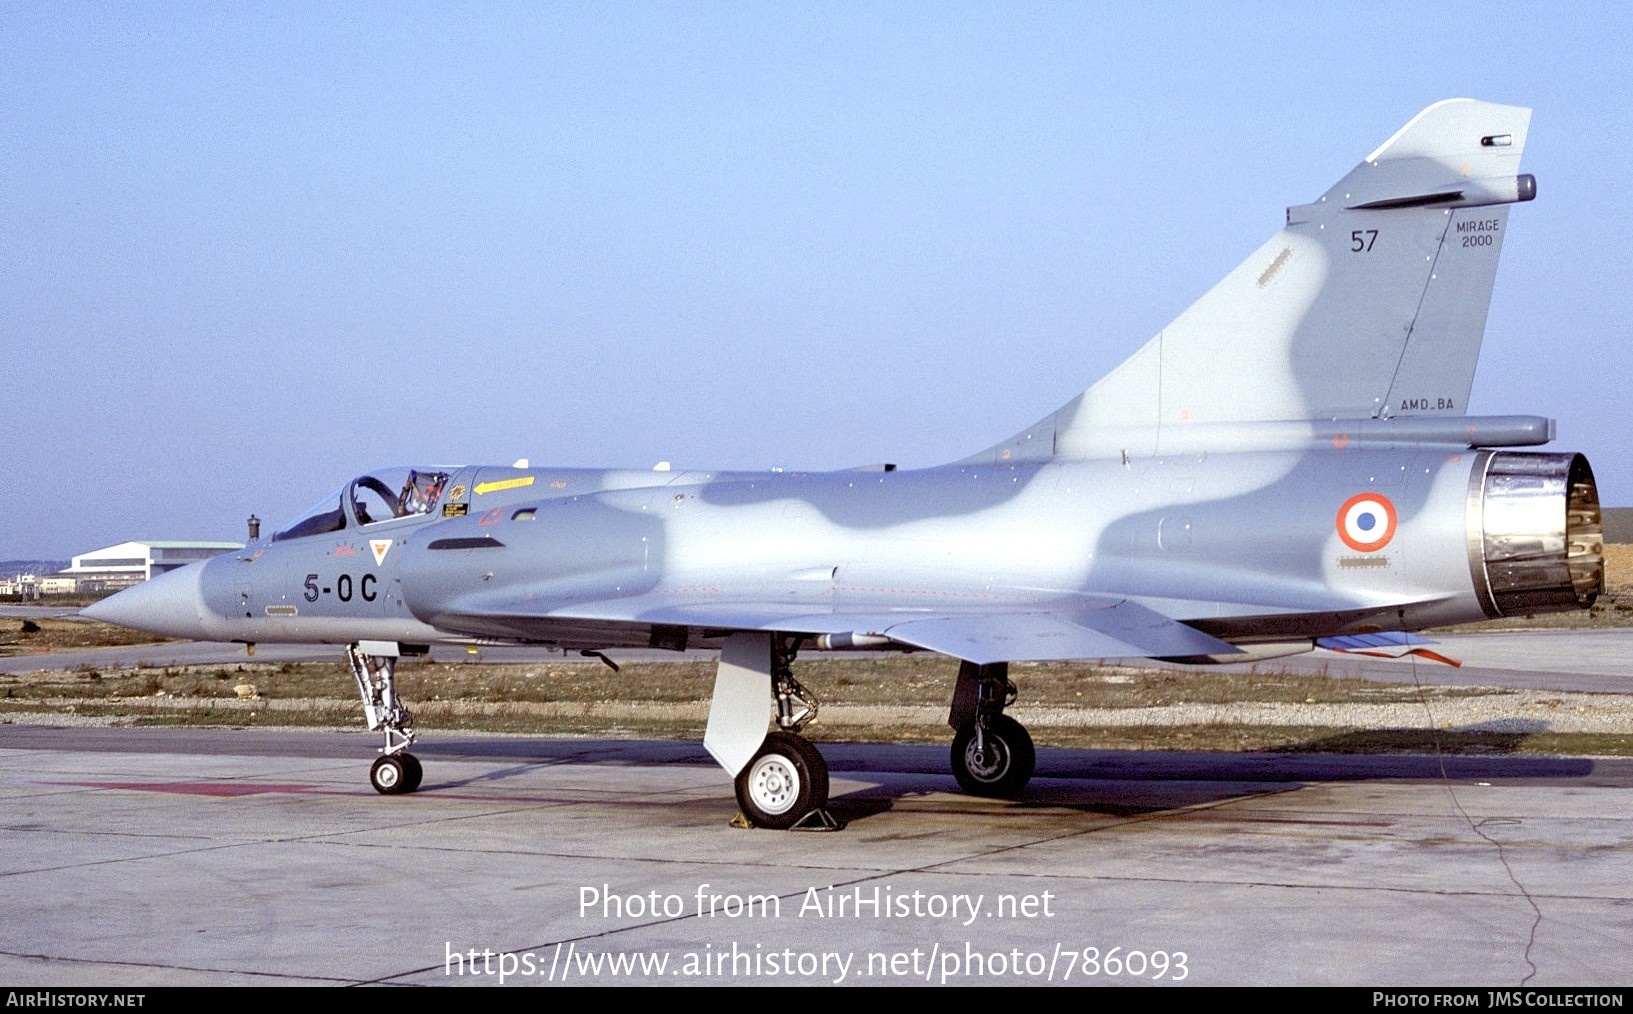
(250, 250)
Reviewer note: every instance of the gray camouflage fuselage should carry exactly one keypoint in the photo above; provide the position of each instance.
(1243, 546)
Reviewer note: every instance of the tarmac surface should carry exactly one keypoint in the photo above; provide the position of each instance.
(140, 857)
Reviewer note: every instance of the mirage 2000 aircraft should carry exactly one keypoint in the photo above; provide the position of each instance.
(1287, 465)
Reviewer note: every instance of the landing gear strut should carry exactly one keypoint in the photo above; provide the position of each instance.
(992, 753)
(796, 706)
(374, 667)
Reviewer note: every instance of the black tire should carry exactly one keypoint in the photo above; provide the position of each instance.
(389, 775)
(786, 780)
(1002, 770)
(412, 772)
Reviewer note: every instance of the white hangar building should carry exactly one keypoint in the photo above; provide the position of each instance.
(133, 562)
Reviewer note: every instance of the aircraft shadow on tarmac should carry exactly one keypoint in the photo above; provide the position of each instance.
(1110, 783)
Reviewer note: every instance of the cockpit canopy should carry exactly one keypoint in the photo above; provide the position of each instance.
(380, 496)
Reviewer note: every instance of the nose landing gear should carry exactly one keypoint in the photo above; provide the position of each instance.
(374, 666)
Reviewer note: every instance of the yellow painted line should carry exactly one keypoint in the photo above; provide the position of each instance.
(494, 487)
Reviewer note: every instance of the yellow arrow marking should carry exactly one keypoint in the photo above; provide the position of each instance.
(494, 487)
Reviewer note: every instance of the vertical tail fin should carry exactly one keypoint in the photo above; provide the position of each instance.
(1371, 302)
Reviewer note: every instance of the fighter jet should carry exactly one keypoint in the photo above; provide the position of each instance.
(1287, 465)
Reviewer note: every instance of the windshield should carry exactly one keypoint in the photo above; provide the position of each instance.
(383, 495)
(325, 517)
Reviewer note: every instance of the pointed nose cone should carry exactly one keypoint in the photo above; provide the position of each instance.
(171, 604)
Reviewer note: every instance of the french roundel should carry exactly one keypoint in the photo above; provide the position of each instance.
(1366, 522)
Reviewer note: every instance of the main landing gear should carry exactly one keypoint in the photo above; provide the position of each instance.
(781, 779)
(992, 753)
(374, 667)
